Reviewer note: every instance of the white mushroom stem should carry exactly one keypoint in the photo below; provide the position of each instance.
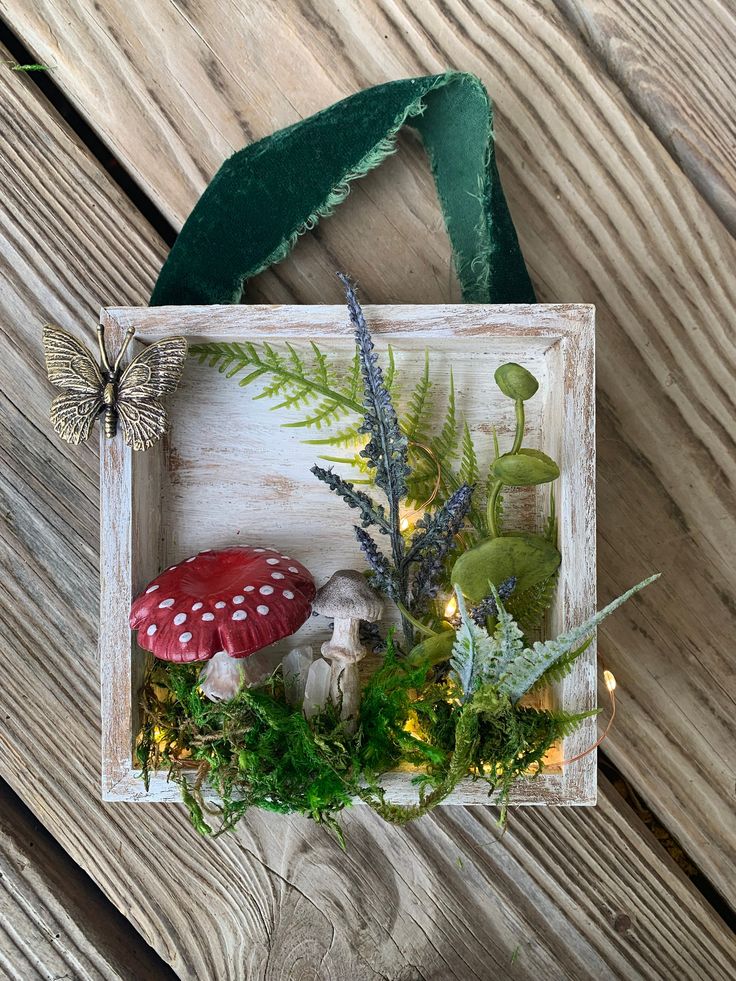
(344, 651)
(221, 677)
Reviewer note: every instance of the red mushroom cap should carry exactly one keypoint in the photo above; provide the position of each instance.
(238, 600)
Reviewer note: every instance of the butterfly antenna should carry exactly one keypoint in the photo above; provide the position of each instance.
(101, 345)
(126, 341)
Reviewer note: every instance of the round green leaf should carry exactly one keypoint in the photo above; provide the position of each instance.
(529, 558)
(525, 468)
(515, 381)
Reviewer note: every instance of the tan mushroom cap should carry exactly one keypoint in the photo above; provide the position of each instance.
(346, 594)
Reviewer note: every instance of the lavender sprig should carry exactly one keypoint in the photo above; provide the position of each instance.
(381, 576)
(434, 541)
(488, 606)
(370, 512)
(386, 449)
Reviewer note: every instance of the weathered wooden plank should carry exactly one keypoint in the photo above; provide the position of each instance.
(54, 923)
(441, 899)
(605, 216)
(673, 61)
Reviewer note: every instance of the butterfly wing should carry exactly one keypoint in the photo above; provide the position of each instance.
(142, 423)
(154, 372)
(69, 364)
(73, 415)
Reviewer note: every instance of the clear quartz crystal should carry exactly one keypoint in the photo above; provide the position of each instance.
(317, 691)
(295, 666)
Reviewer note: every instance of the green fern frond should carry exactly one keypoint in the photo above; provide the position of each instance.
(274, 389)
(484, 493)
(356, 461)
(275, 358)
(309, 382)
(296, 361)
(422, 480)
(325, 414)
(321, 366)
(440, 461)
(294, 400)
(348, 436)
(562, 723)
(445, 444)
(499, 510)
(293, 377)
(256, 373)
(420, 406)
(526, 670)
(468, 473)
(528, 608)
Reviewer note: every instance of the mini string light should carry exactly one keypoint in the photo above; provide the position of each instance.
(406, 520)
(451, 608)
(610, 682)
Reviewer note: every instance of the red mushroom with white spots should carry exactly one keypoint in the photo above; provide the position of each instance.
(221, 606)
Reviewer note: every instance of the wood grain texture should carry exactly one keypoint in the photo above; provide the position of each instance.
(672, 60)
(605, 215)
(441, 899)
(209, 494)
(54, 923)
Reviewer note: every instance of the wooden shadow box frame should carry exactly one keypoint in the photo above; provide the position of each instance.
(228, 474)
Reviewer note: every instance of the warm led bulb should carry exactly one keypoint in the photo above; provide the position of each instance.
(404, 524)
(451, 608)
(609, 680)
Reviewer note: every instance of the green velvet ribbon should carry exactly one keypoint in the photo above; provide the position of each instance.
(269, 193)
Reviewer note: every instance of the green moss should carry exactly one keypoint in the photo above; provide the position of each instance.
(255, 751)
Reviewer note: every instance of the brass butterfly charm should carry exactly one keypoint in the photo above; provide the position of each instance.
(130, 396)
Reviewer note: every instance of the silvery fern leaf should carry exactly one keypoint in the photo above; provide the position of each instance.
(508, 637)
(522, 672)
(386, 449)
(474, 653)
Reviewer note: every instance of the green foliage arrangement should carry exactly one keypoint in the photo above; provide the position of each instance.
(447, 700)
(255, 751)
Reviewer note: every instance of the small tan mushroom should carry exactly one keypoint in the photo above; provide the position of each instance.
(347, 598)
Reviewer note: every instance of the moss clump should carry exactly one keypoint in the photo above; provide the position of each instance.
(256, 751)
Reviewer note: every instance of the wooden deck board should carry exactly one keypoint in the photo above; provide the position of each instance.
(53, 922)
(441, 899)
(673, 61)
(605, 215)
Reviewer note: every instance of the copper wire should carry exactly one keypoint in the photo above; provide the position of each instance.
(437, 484)
(599, 740)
